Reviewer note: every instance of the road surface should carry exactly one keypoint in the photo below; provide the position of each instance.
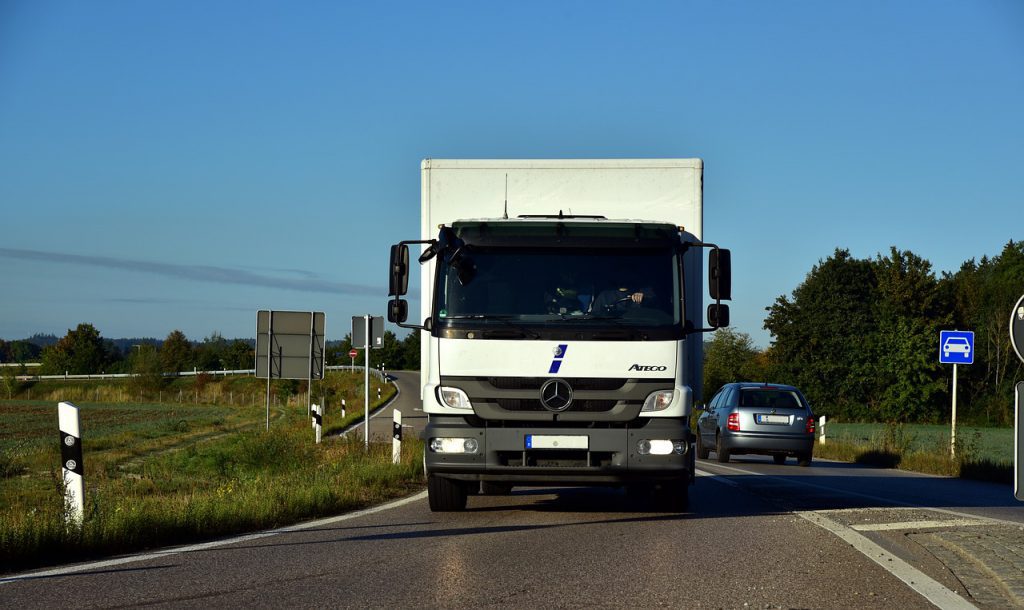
(756, 535)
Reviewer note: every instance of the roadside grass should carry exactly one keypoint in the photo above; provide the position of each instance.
(981, 454)
(169, 474)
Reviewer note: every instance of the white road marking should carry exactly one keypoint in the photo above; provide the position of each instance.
(85, 567)
(930, 589)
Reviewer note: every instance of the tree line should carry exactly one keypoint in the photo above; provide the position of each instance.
(83, 351)
(860, 337)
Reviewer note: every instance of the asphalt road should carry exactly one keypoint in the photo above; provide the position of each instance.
(757, 535)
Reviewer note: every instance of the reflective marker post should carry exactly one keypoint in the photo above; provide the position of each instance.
(71, 462)
(396, 437)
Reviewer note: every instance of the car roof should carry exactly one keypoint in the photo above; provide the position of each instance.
(765, 384)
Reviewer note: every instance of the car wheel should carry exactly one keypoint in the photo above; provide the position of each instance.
(445, 495)
(779, 458)
(702, 451)
(720, 451)
(804, 459)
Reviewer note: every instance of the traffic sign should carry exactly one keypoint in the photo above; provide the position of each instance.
(1017, 328)
(956, 347)
(352, 353)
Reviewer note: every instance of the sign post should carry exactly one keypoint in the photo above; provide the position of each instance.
(955, 347)
(1017, 340)
(368, 331)
(290, 345)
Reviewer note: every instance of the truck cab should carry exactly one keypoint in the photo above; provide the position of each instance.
(559, 350)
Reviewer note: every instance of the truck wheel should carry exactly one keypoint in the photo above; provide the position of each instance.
(720, 451)
(445, 495)
(804, 459)
(491, 488)
(702, 451)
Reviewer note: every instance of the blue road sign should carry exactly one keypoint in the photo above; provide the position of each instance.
(956, 347)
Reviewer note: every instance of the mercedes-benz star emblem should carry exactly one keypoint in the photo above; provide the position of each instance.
(556, 395)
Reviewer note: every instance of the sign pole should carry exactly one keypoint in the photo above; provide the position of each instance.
(952, 435)
(270, 352)
(366, 384)
(1018, 444)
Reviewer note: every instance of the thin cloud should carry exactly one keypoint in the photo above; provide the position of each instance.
(197, 273)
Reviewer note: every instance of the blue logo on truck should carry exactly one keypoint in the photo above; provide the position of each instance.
(557, 362)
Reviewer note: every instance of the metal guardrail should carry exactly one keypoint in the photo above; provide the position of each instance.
(223, 373)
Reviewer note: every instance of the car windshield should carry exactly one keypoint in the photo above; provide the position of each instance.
(769, 398)
(634, 287)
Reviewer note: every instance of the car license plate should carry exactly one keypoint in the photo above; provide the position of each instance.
(542, 441)
(772, 419)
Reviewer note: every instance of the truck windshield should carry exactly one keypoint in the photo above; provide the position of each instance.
(585, 287)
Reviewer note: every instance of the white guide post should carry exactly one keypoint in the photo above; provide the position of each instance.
(71, 461)
(318, 421)
(396, 438)
(821, 426)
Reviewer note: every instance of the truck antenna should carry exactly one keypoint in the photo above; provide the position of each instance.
(506, 196)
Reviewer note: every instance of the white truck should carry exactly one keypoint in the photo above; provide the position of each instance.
(562, 308)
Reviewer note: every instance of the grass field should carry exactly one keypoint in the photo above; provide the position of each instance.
(989, 444)
(158, 474)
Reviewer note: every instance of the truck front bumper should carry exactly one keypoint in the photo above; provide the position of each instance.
(612, 455)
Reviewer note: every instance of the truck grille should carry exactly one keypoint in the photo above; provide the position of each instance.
(589, 406)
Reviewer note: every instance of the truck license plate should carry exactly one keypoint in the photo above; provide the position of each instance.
(541, 441)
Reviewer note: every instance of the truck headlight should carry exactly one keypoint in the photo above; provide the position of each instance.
(661, 447)
(659, 400)
(454, 445)
(454, 398)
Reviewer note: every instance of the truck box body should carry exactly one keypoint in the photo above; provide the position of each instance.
(587, 383)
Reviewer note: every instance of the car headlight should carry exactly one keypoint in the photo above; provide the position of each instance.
(659, 400)
(454, 398)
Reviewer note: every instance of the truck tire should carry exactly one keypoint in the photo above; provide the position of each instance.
(491, 488)
(445, 495)
(720, 451)
(702, 451)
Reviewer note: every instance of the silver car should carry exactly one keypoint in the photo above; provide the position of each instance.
(768, 419)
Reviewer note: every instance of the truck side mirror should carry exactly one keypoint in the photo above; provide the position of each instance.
(720, 276)
(718, 315)
(398, 276)
(398, 311)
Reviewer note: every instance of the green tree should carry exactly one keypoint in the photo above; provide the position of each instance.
(82, 351)
(176, 353)
(146, 369)
(820, 333)
(239, 355)
(730, 356)
(211, 353)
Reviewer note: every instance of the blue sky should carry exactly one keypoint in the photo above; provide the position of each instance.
(179, 165)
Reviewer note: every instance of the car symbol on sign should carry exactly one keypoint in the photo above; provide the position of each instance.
(956, 344)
